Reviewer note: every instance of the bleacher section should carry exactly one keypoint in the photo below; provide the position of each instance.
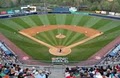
(113, 56)
(115, 50)
(7, 55)
(5, 49)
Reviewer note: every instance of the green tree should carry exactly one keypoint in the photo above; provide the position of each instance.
(115, 6)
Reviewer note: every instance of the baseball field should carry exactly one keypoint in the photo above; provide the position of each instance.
(76, 37)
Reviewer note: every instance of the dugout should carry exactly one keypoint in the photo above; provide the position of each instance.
(5, 49)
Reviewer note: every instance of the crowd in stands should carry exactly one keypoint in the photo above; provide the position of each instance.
(6, 55)
(7, 58)
(10, 70)
(10, 66)
(113, 56)
(107, 68)
(93, 72)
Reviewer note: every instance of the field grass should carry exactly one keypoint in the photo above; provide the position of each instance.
(111, 29)
(50, 37)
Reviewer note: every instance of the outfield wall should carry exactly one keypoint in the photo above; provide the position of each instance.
(105, 16)
(78, 13)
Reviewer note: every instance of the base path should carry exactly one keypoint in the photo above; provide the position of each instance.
(39, 41)
(64, 50)
(83, 41)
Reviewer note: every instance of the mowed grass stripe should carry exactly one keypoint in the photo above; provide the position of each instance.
(29, 21)
(56, 33)
(7, 32)
(65, 31)
(53, 36)
(100, 43)
(83, 20)
(109, 26)
(76, 38)
(82, 55)
(60, 19)
(104, 37)
(69, 19)
(36, 20)
(113, 29)
(49, 37)
(44, 19)
(21, 41)
(56, 39)
(14, 36)
(12, 32)
(14, 24)
(69, 37)
(11, 24)
(20, 22)
(76, 19)
(37, 53)
(24, 39)
(40, 52)
(109, 33)
(92, 49)
(41, 37)
(52, 19)
(68, 34)
(7, 28)
(101, 23)
(92, 21)
(44, 37)
(80, 37)
(60, 31)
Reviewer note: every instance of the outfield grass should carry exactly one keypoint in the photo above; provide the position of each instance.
(111, 29)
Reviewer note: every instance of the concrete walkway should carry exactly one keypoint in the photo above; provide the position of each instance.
(57, 71)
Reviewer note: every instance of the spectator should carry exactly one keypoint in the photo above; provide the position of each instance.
(71, 75)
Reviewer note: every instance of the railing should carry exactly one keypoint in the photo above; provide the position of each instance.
(105, 16)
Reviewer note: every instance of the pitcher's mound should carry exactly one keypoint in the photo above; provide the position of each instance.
(60, 51)
(60, 36)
